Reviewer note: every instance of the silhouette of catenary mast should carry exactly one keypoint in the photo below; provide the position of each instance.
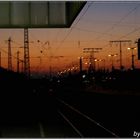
(9, 55)
(26, 53)
(120, 42)
(92, 52)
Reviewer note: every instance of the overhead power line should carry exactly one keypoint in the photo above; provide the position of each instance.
(117, 23)
(71, 29)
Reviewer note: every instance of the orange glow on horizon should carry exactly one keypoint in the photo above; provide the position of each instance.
(60, 48)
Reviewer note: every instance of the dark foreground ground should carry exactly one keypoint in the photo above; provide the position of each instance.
(44, 109)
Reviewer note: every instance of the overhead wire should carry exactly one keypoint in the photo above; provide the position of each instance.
(91, 31)
(71, 29)
(131, 32)
(117, 23)
(7, 53)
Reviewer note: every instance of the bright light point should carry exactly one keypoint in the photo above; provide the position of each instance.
(86, 63)
(84, 76)
(80, 57)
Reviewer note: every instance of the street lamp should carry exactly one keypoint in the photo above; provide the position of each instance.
(103, 60)
(112, 56)
(98, 60)
(132, 55)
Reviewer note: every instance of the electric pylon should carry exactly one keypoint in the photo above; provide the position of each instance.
(26, 53)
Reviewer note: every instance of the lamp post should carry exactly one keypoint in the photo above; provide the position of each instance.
(103, 64)
(98, 60)
(112, 56)
(132, 56)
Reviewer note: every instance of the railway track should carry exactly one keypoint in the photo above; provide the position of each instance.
(68, 118)
(82, 124)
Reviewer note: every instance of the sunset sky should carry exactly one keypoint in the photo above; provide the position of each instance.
(96, 25)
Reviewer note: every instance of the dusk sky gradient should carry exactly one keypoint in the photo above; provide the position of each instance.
(96, 25)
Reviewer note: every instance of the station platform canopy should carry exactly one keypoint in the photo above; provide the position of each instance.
(39, 14)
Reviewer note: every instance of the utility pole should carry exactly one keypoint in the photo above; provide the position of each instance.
(26, 53)
(112, 59)
(22, 66)
(100, 60)
(97, 60)
(17, 61)
(138, 47)
(9, 55)
(92, 57)
(80, 60)
(120, 42)
(132, 55)
(80, 64)
(103, 64)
